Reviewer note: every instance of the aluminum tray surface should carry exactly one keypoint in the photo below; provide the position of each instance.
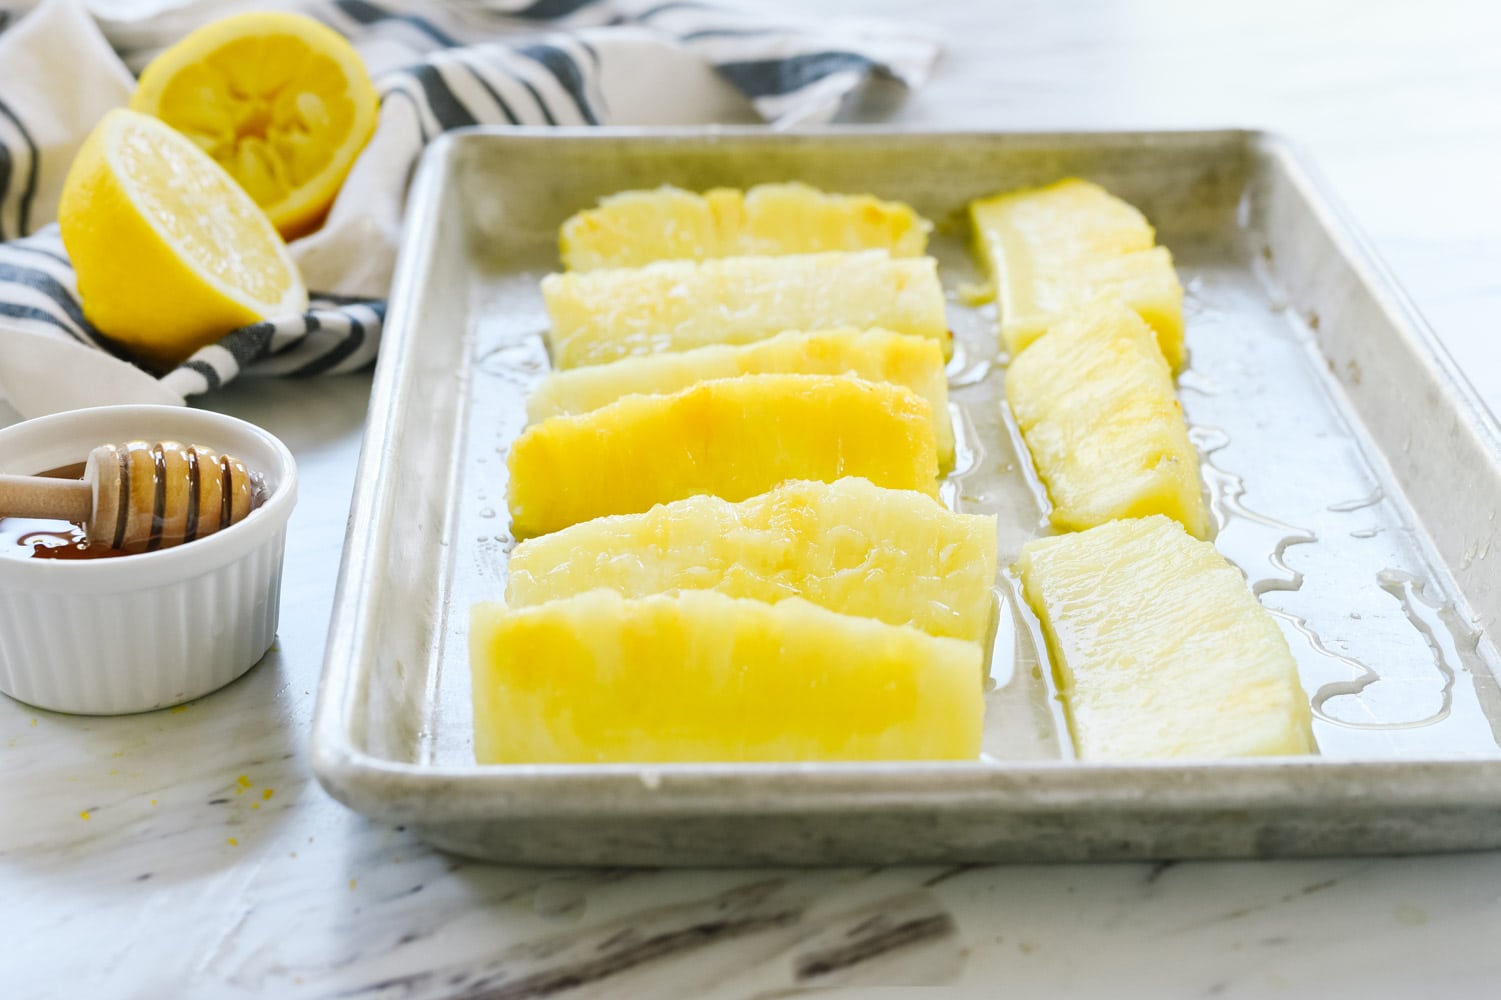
(1352, 472)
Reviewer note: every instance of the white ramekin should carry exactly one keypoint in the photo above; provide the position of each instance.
(134, 633)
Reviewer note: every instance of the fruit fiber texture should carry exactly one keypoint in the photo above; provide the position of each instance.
(874, 355)
(894, 555)
(1051, 249)
(700, 676)
(732, 438)
(600, 316)
(637, 227)
(282, 102)
(170, 253)
(1160, 648)
(1094, 401)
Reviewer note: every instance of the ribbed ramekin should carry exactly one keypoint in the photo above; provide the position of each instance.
(135, 633)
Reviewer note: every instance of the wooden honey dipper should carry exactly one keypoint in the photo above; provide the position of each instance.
(140, 496)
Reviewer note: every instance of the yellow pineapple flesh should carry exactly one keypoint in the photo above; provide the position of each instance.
(600, 316)
(850, 546)
(1049, 250)
(1144, 281)
(700, 676)
(1160, 649)
(875, 355)
(1094, 401)
(1068, 218)
(733, 438)
(637, 227)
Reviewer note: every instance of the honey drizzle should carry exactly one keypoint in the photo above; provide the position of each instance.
(122, 520)
(191, 528)
(226, 488)
(158, 499)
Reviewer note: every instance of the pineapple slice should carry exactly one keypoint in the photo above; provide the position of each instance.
(876, 355)
(732, 437)
(1050, 249)
(675, 305)
(1160, 648)
(850, 546)
(638, 227)
(1095, 404)
(1071, 218)
(699, 676)
(1145, 281)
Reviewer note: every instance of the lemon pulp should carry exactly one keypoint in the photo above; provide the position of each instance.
(280, 101)
(170, 253)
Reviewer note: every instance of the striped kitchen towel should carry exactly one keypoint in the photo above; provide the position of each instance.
(438, 64)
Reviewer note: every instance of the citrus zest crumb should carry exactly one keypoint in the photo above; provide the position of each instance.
(84, 814)
(233, 842)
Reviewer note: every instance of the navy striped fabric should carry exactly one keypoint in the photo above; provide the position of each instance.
(450, 63)
(19, 164)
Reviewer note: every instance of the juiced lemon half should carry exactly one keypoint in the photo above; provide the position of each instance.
(280, 101)
(171, 254)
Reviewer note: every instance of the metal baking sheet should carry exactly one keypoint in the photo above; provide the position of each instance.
(1353, 473)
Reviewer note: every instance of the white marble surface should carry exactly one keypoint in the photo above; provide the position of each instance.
(189, 853)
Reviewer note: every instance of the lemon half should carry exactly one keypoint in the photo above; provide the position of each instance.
(279, 100)
(171, 253)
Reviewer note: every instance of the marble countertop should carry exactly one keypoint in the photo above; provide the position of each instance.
(190, 853)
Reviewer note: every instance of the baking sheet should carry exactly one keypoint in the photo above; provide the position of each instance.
(1333, 436)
